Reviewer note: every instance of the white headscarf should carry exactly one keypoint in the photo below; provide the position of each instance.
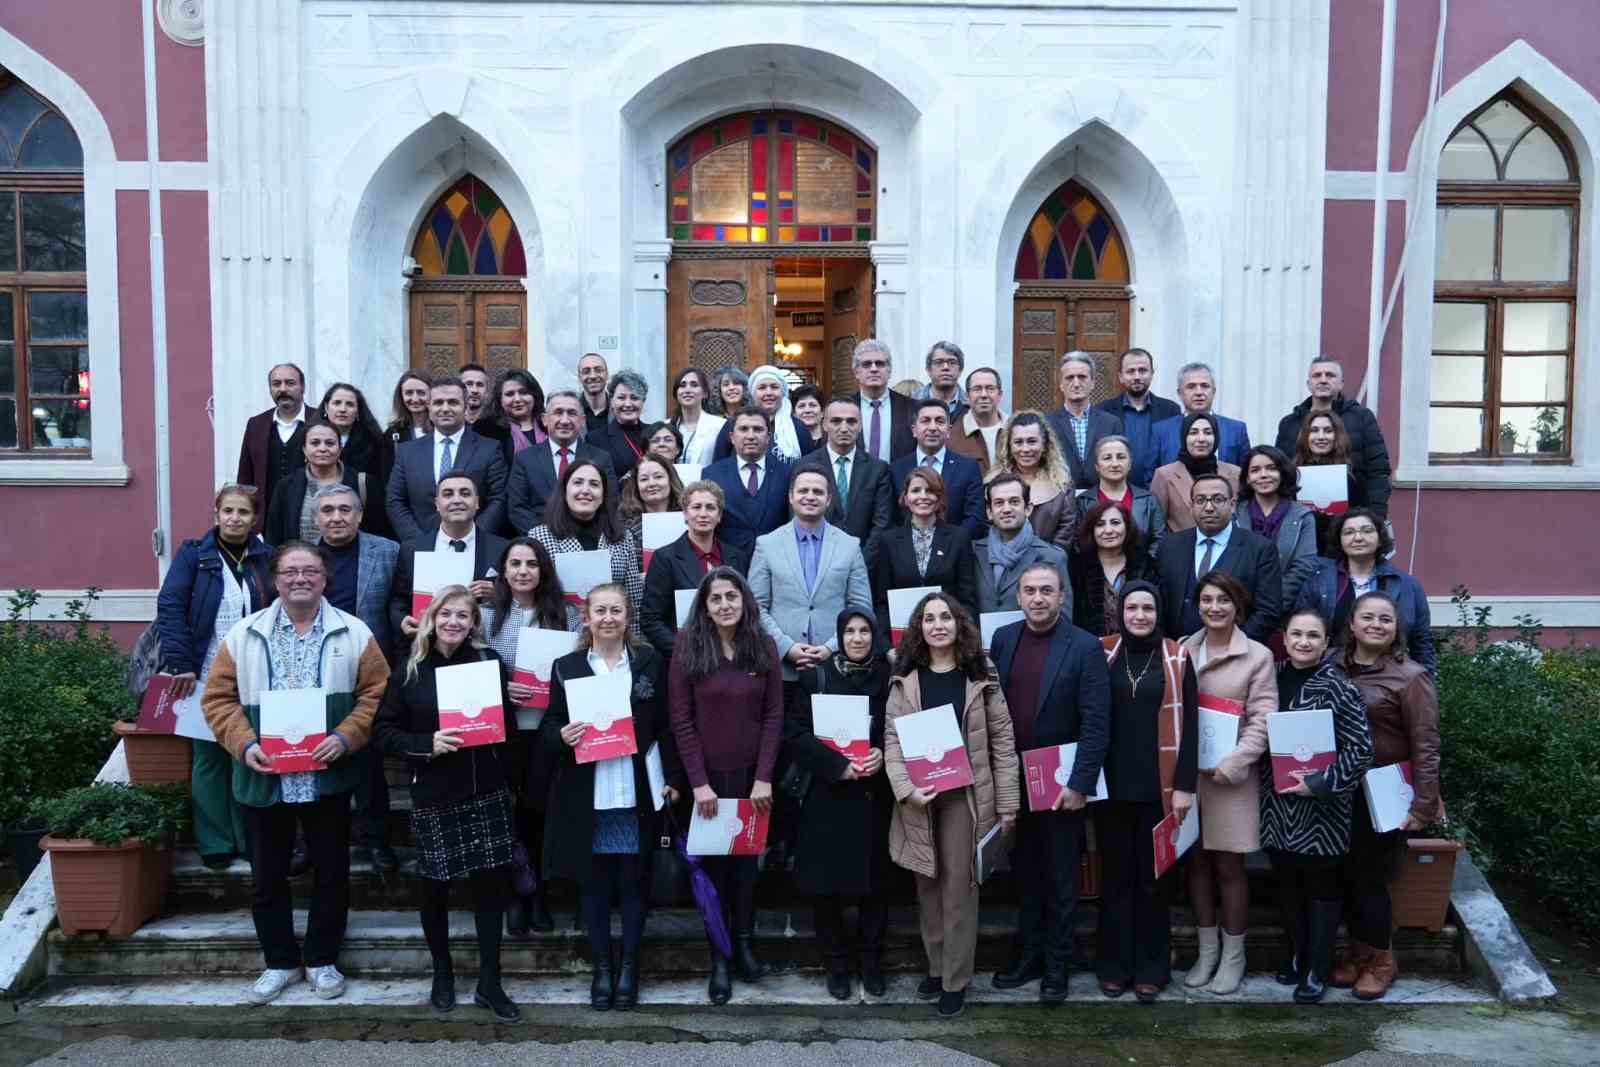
(784, 438)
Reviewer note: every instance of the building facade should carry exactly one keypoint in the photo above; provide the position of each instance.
(363, 186)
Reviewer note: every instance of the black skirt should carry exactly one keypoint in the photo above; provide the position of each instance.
(453, 840)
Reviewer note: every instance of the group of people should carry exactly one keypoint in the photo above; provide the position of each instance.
(1156, 559)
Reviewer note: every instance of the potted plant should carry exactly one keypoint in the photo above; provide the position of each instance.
(1508, 438)
(154, 756)
(1548, 433)
(1420, 894)
(110, 850)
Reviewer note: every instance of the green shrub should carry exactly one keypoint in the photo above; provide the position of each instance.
(61, 688)
(109, 813)
(1520, 737)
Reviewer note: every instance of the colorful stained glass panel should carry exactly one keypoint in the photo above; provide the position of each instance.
(720, 186)
(1071, 238)
(469, 231)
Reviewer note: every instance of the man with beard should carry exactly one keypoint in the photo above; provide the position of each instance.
(1140, 409)
(274, 439)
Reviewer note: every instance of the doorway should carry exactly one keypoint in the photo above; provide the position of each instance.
(453, 324)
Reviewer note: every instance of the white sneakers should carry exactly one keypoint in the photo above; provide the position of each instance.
(326, 981)
(273, 982)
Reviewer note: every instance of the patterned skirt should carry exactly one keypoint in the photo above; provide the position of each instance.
(453, 840)
(616, 832)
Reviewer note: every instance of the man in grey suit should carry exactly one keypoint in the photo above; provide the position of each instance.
(1078, 425)
(360, 575)
(860, 489)
(452, 447)
(1011, 547)
(804, 574)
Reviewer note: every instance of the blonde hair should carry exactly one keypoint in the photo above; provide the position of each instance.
(422, 643)
(1053, 462)
(586, 636)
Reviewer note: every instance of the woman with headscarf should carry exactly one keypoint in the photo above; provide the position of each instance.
(1150, 773)
(1197, 455)
(769, 391)
(842, 852)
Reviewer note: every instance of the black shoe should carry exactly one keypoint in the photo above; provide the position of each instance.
(950, 1004)
(602, 989)
(1321, 928)
(745, 964)
(839, 985)
(384, 859)
(517, 916)
(872, 979)
(443, 997)
(720, 988)
(1023, 969)
(218, 861)
(627, 994)
(298, 862)
(540, 921)
(1053, 988)
(496, 1001)
(930, 988)
(1289, 973)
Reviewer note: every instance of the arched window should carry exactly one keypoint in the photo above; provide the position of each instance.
(44, 302)
(1505, 288)
(1071, 238)
(468, 231)
(773, 177)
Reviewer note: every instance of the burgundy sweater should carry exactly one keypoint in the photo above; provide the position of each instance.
(1022, 683)
(727, 721)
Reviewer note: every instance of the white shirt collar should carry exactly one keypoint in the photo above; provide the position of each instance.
(599, 666)
(300, 416)
(834, 457)
(969, 424)
(453, 438)
(938, 457)
(441, 543)
(555, 448)
(760, 462)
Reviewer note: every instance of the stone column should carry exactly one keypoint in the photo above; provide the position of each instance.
(892, 266)
(648, 327)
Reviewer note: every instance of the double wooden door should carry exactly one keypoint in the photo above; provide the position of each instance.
(1047, 323)
(452, 326)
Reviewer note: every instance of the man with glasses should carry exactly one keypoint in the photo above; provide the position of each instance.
(977, 432)
(885, 414)
(944, 363)
(1215, 543)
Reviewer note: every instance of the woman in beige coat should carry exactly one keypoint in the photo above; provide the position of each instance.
(1233, 667)
(1197, 456)
(934, 835)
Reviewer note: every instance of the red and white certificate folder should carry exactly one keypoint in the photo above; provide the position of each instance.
(1219, 729)
(683, 604)
(293, 723)
(433, 571)
(470, 701)
(1046, 771)
(931, 744)
(602, 703)
(843, 723)
(537, 651)
(1390, 792)
(582, 571)
(158, 711)
(658, 529)
(737, 829)
(901, 601)
(1326, 488)
(1301, 743)
(1172, 838)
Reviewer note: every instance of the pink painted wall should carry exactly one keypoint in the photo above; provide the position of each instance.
(181, 97)
(97, 43)
(185, 229)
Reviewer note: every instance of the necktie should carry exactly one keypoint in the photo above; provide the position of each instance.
(751, 486)
(1205, 558)
(566, 461)
(447, 459)
(875, 432)
(927, 461)
(842, 480)
(459, 546)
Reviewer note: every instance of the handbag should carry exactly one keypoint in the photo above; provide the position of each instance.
(669, 874)
(795, 782)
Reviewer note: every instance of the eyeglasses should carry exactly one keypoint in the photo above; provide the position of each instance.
(873, 363)
(1210, 501)
(300, 572)
(944, 363)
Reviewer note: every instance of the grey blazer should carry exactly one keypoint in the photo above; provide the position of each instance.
(1002, 595)
(375, 563)
(1296, 544)
(1147, 515)
(789, 612)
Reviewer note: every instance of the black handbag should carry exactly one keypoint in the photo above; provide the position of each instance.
(669, 873)
(795, 782)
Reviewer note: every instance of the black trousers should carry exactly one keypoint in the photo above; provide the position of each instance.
(836, 943)
(1134, 943)
(621, 875)
(372, 798)
(1044, 869)
(325, 822)
(735, 879)
(1364, 877)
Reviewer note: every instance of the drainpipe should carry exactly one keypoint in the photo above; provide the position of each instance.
(161, 536)
(1380, 212)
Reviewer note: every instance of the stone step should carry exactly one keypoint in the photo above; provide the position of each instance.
(390, 943)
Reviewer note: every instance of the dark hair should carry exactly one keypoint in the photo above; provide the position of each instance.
(1288, 473)
(1132, 544)
(1232, 588)
(317, 422)
(928, 402)
(1341, 440)
(946, 346)
(929, 477)
(803, 392)
(631, 505)
(562, 524)
(705, 387)
(843, 398)
(1213, 476)
(275, 560)
(1398, 650)
(479, 367)
(493, 408)
(448, 381)
(748, 410)
(1335, 546)
(970, 657)
(461, 475)
(714, 398)
(983, 370)
(655, 428)
(699, 647)
(1001, 479)
(292, 366)
(1145, 352)
(400, 422)
(549, 601)
(366, 424)
(1315, 612)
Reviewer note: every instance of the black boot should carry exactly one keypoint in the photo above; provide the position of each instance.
(1295, 917)
(1026, 966)
(540, 920)
(839, 983)
(1323, 924)
(745, 964)
(443, 997)
(517, 916)
(627, 997)
(872, 974)
(602, 988)
(720, 988)
(490, 994)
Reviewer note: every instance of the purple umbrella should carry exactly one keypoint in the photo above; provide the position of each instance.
(705, 894)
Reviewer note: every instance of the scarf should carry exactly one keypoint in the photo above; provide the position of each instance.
(848, 667)
(1006, 554)
(784, 439)
(1268, 525)
(1169, 728)
(1197, 465)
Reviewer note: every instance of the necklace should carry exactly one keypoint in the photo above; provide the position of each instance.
(1127, 665)
(236, 561)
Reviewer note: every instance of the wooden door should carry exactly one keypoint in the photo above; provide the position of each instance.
(453, 327)
(440, 332)
(1046, 326)
(719, 313)
(847, 309)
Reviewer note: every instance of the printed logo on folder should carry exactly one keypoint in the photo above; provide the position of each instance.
(935, 755)
(293, 723)
(1302, 744)
(736, 830)
(470, 701)
(602, 702)
(843, 723)
(537, 650)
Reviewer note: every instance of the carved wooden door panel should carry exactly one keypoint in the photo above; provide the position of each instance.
(719, 313)
(1044, 327)
(500, 330)
(847, 307)
(453, 327)
(440, 331)
(1101, 327)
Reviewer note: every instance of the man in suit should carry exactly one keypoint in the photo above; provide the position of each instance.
(1079, 426)
(1140, 410)
(976, 433)
(274, 439)
(754, 485)
(682, 564)
(451, 447)
(1369, 455)
(804, 574)
(861, 491)
(963, 482)
(1011, 546)
(885, 414)
(1059, 692)
(361, 570)
(537, 470)
(1197, 391)
(1215, 543)
(456, 529)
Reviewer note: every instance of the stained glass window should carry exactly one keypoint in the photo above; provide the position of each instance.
(1071, 238)
(469, 231)
(771, 177)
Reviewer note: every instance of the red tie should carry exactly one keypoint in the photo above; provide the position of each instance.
(751, 486)
(565, 463)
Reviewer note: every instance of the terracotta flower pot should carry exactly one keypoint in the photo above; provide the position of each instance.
(1420, 896)
(115, 888)
(153, 758)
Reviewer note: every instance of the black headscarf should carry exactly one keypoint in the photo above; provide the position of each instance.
(875, 657)
(1133, 642)
(1196, 465)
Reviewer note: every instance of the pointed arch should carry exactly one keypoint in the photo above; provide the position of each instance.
(469, 230)
(1071, 238)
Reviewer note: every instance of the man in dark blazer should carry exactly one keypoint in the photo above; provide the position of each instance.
(1140, 409)
(963, 481)
(274, 440)
(682, 564)
(865, 506)
(1215, 543)
(1197, 391)
(1059, 692)
(455, 529)
(1076, 415)
(450, 446)
(536, 470)
(754, 485)
(885, 414)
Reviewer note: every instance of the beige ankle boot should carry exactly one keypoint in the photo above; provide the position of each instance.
(1230, 971)
(1205, 964)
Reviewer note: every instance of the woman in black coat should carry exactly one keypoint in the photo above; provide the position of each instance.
(925, 551)
(842, 850)
(1110, 554)
(601, 816)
